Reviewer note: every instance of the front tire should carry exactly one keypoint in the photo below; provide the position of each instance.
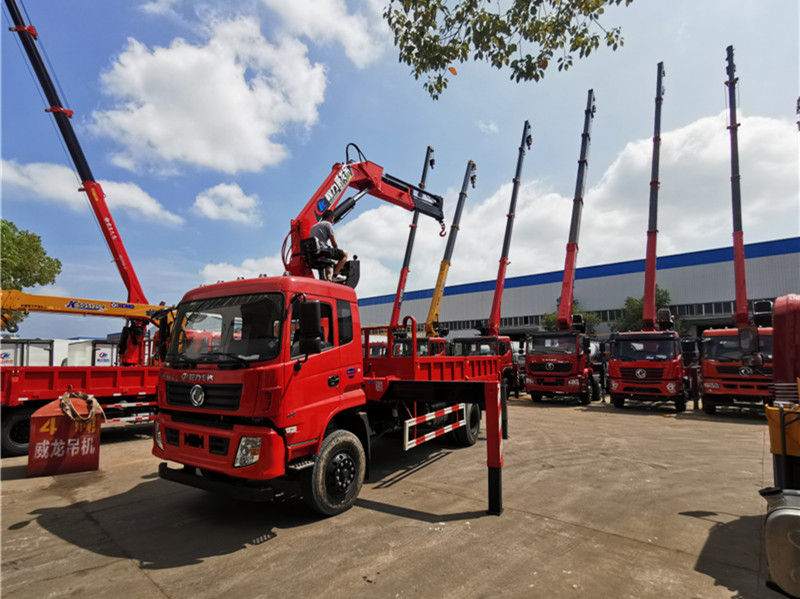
(333, 484)
(618, 400)
(709, 406)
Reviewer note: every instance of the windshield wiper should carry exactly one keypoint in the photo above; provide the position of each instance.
(179, 359)
(244, 362)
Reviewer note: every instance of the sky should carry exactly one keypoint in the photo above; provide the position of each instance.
(211, 124)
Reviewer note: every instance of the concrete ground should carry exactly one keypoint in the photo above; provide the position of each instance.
(599, 502)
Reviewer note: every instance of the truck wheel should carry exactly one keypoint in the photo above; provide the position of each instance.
(332, 485)
(16, 432)
(467, 436)
(596, 393)
(586, 396)
(618, 400)
(680, 404)
(536, 397)
(709, 407)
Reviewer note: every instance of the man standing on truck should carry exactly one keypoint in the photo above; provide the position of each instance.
(323, 231)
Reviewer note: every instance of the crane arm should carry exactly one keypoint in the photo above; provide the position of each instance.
(62, 116)
(14, 300)
(436, 301)
(367, 178)
(493, 328)
(568, 285)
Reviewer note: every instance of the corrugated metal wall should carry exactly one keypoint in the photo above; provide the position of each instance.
(773, 269)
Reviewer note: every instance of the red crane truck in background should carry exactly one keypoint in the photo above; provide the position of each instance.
(131, 385)
(647, 365)
(490, 342)
(560, 363)
(726, 379)
(298, 398)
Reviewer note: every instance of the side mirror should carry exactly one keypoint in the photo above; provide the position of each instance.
(164, 330)
(310, 327)
(586, 345)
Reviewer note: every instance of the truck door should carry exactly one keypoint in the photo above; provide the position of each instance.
(313, 387)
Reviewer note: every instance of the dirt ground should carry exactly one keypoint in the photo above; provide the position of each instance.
(598, 502)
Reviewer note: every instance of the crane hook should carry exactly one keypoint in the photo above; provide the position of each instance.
(443, 232)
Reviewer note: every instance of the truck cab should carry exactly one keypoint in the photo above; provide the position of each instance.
(647, 366)
(257, 399)
(727, 381)
(559, 364)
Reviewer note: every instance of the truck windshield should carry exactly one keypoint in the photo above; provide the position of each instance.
(239, 328)
(550, 345)
(725, 348)
(473, 347)
(643, 349)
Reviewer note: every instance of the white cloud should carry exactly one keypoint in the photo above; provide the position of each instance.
(694, 212)
(227, 201)
(363, 35)
(159, 7)
(489, 128)
(249, 268)
(57, 183)
(217, 106)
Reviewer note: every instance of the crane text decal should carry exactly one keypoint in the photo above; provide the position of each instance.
(339, 185)
(79, 305)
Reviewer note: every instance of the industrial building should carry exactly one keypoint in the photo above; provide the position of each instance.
(700, 284)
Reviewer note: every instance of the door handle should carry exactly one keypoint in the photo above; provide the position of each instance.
(333, 381)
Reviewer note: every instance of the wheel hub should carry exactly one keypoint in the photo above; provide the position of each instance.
(342, 472)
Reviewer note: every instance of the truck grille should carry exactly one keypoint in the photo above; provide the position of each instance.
(542, 367)
(217, 397)
(651, 374)
(734, 370)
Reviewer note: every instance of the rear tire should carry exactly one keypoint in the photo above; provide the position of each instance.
(16, 431)
(597, 395)
(586, 396)
(467, 436)
(333, 484)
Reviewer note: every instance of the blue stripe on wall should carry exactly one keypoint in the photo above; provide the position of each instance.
(762, 249)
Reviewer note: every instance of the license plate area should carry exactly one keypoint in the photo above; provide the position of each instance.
(193, 440)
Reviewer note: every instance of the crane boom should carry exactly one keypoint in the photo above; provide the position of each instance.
(649, 302)
(412, 233)
(436, 301)
(493, 327)
(367, 178)
(740, 277)
(14, 299)
(28, 36)
(568, 285)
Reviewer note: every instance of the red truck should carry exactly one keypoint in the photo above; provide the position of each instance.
(648, 365)
(727, 380)
(559, 364)
(297, 400)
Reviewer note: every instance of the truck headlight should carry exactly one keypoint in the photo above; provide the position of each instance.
(711, 385)
(573, 382)
(159, 441)
(529, 380)
(672, 386)
(614, 385)
(248, 452)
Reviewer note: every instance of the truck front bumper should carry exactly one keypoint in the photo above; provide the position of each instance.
(247, 490)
